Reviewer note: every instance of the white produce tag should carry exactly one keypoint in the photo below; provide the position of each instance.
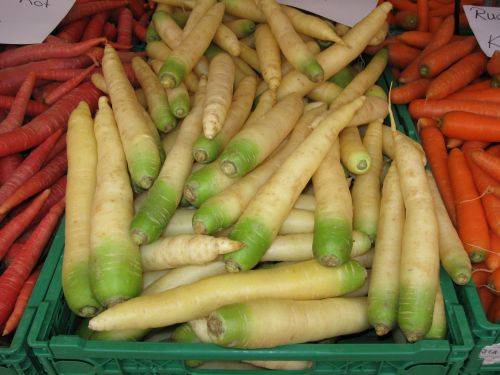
(348, 12)
(30, 21)
(485, 24)
(490, 354)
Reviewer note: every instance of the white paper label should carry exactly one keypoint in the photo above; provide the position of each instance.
(485, 24)
(30, 21)
(490, 354)
(348, 12)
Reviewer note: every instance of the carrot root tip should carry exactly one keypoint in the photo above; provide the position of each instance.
(381, 329)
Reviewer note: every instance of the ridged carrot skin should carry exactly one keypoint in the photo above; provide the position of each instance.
(493, 258)
(72, 32)
(33, 108)
(95, 27)
(416, 39)
(486, 95)
(471, 219)
(18, 109)
(487, 162)
(401, 55)
(87, 9)
(409, 92)
(471, 126)
(437, 108)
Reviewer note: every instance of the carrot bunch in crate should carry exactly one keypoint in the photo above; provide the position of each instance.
(217, 196)
(452, 90)
(427, 15)
(40, 85)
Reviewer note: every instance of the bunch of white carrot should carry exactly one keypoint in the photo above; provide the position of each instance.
(245, 225)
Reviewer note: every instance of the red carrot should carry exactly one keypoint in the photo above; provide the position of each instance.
(16, 226)
(67, 86)
(435, 23)
(440, 38)
(440, 59)
(42, 126)
(13, 278)
(400, 55)
(437, 108)
(484, 182)
(46, 177)
(95, 26)
(52, 39)
(472, 225)
(416, 39)
(144, 19)
(8, 164)
(72, 32)
(57, 192)
(139, 31)
(137, 8)
(125, 27)
(32, 108)
(58, 147)
(87, 9)
(18, 109)
(493, 66)
(488, 163)
(493, 258)
(457, 76)
(423, 15)
(36, 52)
(110, 31)
(21, 303)
(13, 251)
(407, 20)
(470, 126)
(437, 156)
(411, 91)
(487, 95)
(12, 78)
(60, 75)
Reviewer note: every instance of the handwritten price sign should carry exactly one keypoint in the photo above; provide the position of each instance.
(30, 21)
(490, 354)
(485, 24)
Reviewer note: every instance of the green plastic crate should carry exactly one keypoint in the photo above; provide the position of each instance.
(17, 358)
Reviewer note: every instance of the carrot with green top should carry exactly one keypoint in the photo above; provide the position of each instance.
(289, 41)
(300, 281)
(219, 94)
(471, 221)
(81, 185)
(332, 242)
(142, 155)
(206, 150)
(383, 291)
(165, 194)
(156, 98)
(255, 143)
(366, 188)
(264, 215)
(115, 268)
(185, 56)
(223, 209)
(452, 254)
(336, 57)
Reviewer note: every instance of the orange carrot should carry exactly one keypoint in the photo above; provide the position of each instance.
(494, 150)
(457, 76)
(400, 55)
(37, 52)
(435, 23)
(21, 302)
(494, 311)
(488, 163)
(438, 108)
(480, 274)
(42, 126)
(416, 39)
(13, 278)
(487, 95)
(426, 122)
(493, 258)
(67, 86)
(442, 36)
(486, 297)
(423, 15)
(470, 126)
(407, 20)
(46, 177)
(411, 91)
(437, 156)
(494, 281)
(453, 142)
(440, 59)
(493, 66)
(472, 225)
(72, 32)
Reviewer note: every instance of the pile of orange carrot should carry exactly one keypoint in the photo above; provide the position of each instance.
(40, 85)
(426, 15)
